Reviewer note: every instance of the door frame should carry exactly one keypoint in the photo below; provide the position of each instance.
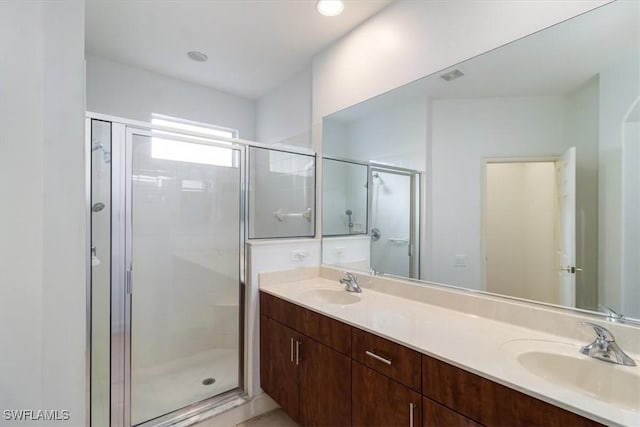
(414, 213)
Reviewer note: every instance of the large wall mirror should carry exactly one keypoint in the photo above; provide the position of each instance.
(521, 170)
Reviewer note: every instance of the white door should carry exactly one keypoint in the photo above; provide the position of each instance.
(566, 170)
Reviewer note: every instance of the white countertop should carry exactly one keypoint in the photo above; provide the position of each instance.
(470, 342)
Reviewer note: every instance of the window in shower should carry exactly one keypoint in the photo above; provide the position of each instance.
(281, 194)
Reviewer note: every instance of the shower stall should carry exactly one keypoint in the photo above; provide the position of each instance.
(167, 272)
(394, 217)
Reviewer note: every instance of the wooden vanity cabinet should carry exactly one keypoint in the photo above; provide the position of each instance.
(379, 401)
(279, 374)
(437, 415)
(490, 403)
(310, 380)
(326, 373)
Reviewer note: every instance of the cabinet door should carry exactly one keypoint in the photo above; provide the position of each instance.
(380, 401)
(278, 370)
(436, 415)
(325, 385)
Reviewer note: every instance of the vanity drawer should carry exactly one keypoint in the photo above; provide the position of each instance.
(490, 403)
(278, 309)
(323, 329)
(393, 360)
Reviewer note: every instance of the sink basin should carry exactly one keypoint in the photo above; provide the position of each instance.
(562, 364)
(331, 296)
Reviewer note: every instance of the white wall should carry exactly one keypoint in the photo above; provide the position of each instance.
(42, 208)
(347, 251)
(124, 91)
(283, 115)
(619, 86)
(631, 204)
(409, 40)
(493, 127)
(582, 123)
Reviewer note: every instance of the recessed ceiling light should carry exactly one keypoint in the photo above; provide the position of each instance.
(330, 7)
(197, 56)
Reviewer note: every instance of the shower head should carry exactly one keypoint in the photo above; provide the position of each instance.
(348, 212)
(97, 207)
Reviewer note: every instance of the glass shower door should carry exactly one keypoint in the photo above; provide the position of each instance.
(184, 248)
(393, 222)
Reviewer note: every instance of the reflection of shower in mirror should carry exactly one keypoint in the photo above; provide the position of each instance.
(106, 155)
(348, 212)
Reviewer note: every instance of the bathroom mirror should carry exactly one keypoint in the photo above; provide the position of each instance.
(525, 162)
(345, 204)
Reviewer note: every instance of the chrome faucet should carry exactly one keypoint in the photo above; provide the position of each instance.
(605, 347)
(351, 284)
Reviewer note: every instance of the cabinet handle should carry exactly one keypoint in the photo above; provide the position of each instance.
(291, 350)
(412, 408)
(297, 352)
(380, 358)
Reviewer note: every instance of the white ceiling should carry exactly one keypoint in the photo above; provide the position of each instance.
(253, 45)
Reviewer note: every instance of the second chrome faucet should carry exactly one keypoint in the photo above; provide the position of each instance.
(351, 283)
(605, 347)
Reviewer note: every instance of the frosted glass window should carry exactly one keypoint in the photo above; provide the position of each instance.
(281, 194)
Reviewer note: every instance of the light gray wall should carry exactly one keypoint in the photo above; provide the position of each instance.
(133, 93)
(42, 208)
(619, 85)
(283, 115)
(409, 40)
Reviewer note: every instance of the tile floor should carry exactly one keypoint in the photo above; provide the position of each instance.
(275, 418)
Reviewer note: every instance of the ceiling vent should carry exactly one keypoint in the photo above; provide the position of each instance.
(452, 75)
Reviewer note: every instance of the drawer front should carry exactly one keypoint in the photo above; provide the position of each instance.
(393, 360)
(490, 403)
(323, 329)
(326, 330)
(278, 309)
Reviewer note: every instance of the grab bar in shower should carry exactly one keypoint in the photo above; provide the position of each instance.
(281, 215)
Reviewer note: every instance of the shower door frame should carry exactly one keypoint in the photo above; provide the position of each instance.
(121, 286)
(414, 214)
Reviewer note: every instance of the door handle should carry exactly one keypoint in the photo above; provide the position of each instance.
(570, 269)
(412, 408)
(380, 358)
(291, 350)
(297, 352)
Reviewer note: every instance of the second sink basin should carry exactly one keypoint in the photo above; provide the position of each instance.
(562, 364)
(331, 296)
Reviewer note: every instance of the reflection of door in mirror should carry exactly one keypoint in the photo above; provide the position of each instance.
(631, 212)
(393, 222)
(530, 228)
